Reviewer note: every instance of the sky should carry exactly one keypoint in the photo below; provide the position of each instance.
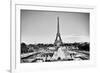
(41, 26)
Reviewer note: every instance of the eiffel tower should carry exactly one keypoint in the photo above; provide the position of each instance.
(58, 41)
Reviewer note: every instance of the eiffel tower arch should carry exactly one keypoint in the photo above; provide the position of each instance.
(58, 41)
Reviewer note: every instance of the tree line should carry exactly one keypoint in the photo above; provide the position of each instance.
(25, 48)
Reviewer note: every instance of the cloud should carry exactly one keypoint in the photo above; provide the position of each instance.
(75, 38)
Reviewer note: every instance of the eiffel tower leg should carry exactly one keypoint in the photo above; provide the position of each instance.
(60, 38)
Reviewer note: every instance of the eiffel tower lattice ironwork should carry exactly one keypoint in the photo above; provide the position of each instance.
(58, 41)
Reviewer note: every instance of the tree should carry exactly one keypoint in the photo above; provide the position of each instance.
(84, 46)
(24, 48)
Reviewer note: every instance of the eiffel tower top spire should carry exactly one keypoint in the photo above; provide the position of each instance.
(58, 25)
(58, 40)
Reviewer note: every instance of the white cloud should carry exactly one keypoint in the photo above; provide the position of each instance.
(75, 38)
